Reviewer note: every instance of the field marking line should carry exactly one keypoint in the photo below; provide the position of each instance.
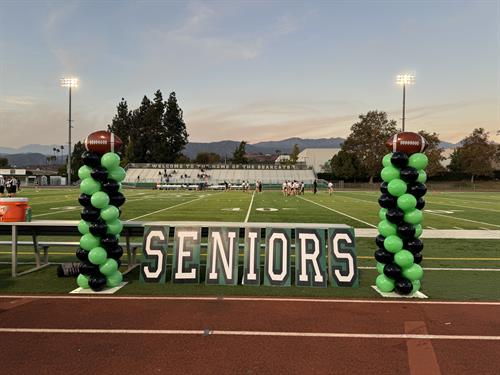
(400, 336)
(249, 208)
(426, 258)
(445, 269)
(457, 205)
(341, 213)
(458, 228)
(421, 355)
(432, 228)
(165, 209)
(459, 218)
(484, 228)
(251, 299)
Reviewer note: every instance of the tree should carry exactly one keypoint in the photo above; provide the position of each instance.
(121, 123)
(294, 155)
(175, 129)
(346, 166)
(434, 154)
(476, 155)
(76, 160)
(367, 140)
(4, 163)
(239, 154)
(207, 158)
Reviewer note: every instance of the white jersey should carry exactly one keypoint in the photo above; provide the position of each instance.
(2, 181)
(283, 185)
(330, 185)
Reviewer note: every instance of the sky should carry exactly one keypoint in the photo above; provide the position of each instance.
(249, 70)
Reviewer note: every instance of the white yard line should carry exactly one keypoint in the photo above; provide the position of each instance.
(458, 228)
(432, 228)
(340, 213)
(446, 269)
(398, 336)
(166, 209)
(459, 218)
(249, 208)
(458, 205)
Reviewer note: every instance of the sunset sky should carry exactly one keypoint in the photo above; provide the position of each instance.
(252, 70)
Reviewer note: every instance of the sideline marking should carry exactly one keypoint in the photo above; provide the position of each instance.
(421, 356)
(341, 213)
(249, 208)
(444, 269)
(165, 209)
(359, 256)
(254, 299)
(202, 332)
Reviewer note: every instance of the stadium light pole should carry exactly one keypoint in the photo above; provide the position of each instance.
(69, 82)
(405, 79)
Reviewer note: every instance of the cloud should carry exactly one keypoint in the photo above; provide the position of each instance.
(14, 102)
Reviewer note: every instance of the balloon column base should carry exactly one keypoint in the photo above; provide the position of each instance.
(395, 295)
(104, 291)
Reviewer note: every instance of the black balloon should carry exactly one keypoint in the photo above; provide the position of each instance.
(90, 213)
(392, 270)
(379, 241)
(383, 188)
(84, 200)
(399, 159)
(82, 254)
(387, 201)
(117, 199)
(420, 203)
(91, 159)
(110, 186)
(384, 256)
(97, 282)
(98, 228)
(87, 269)
(408, 174)
(414, 245)
(115, 252)
(395, 215)
(406, 230)
(403, 286)
(109, 241)
(417, 258)
(417, 189)
(99, 173)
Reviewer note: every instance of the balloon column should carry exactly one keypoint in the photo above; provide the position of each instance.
(399, 247)
(101, 197)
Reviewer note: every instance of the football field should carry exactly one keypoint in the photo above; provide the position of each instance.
(443, 210)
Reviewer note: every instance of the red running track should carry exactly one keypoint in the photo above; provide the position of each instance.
(81, 335)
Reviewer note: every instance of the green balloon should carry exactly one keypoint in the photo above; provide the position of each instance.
(416, 286)
(397, 187)
(393, 244)
(115, 227)
(83, 227)
(84, 172)
(89, 241)
(97, 256)
(380, 267)
(414, 272)
(386, 160)
(114, 279)
(389, 173)
(386, 228)
(407, 202)
(83, 281)
(89, 186)
(109, 267)
(109, 214)
(99, 199)
(381, 213)
(404, 259)
(413, 217)
(418, 230)
(422, 176)
(384, 284)
(110, 161)
(418, 161)
(117, 174)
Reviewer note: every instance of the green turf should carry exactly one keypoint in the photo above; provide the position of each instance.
(356, 208)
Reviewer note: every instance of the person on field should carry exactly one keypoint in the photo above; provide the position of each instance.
(330, 188)
(2, 186)
(315, 186)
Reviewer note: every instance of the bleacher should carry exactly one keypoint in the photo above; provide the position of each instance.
(183, 174)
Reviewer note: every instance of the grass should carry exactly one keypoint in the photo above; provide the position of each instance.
(356, 208)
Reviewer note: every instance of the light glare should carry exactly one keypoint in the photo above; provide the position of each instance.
(69, 82)
(405, 79)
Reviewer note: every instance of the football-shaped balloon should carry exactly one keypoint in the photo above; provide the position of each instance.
(406, 142)
(102, 142)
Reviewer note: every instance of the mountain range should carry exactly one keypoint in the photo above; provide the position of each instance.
(35, 154)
